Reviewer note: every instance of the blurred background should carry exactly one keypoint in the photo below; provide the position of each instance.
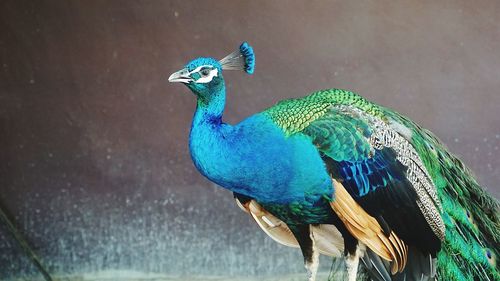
(95, 168)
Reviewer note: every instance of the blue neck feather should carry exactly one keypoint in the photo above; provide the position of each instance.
(206, 140)
(210, 110)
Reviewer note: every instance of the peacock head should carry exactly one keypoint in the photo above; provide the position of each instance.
(204, 75)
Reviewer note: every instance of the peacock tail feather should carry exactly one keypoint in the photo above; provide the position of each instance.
(470, 214)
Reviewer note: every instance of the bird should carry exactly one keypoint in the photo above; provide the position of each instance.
(335, 174)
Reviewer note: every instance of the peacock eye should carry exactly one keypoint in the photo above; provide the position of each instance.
(205, 72)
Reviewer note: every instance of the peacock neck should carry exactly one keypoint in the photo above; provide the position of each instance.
(207, 129)
(210, 108)
(207, 142)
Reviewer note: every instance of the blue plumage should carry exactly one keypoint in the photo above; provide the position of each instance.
(370, 173)
(287, 167)
(192, 65)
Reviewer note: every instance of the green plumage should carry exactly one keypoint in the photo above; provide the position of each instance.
(341, 137)
(294, 115)
(470, 215)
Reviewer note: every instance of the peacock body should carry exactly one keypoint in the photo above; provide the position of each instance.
(333, 173)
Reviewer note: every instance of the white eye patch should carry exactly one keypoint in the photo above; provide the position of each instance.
(207, 78)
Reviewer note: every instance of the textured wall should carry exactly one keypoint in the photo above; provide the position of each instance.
(93, 140)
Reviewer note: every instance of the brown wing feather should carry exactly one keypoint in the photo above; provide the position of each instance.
(272, 226)
(367, 229)
(328, 239)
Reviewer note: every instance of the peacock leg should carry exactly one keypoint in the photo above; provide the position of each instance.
(352, 262)
(304, 236)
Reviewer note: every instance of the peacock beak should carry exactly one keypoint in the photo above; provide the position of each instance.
(180, 76)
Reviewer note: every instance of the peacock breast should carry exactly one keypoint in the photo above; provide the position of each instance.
(256, 159)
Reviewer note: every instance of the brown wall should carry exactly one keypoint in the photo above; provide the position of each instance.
(93, 139)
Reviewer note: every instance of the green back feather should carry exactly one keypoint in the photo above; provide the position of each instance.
(340, 136)
(294, 115)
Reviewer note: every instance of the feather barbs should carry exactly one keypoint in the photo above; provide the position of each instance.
(242, 59)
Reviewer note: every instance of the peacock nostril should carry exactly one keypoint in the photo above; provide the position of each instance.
(180, 76)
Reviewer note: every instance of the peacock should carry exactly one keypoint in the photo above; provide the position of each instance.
(335, 174)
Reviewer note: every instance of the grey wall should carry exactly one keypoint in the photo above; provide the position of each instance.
(93, 140)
